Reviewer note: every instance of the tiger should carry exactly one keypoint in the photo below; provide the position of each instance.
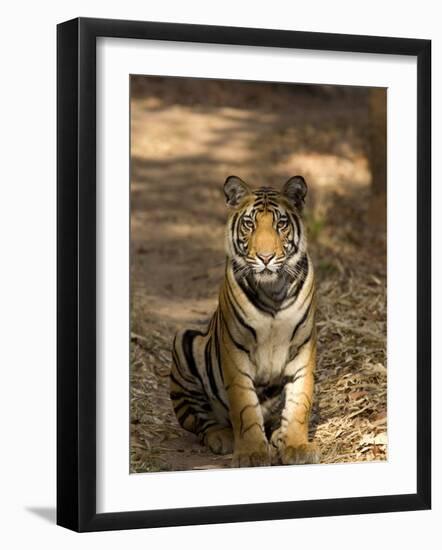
(245, 385)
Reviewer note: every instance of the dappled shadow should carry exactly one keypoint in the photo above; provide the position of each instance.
(241, 124)
(188, 135)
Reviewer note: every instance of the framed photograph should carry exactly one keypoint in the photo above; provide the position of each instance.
(243, 274)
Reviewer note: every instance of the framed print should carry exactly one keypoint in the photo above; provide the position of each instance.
(243, 274)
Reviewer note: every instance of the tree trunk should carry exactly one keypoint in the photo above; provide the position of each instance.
(377, 212)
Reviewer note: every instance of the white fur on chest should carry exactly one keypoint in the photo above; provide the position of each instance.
(270, 352)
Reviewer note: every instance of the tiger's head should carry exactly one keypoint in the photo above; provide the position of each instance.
(265, 235)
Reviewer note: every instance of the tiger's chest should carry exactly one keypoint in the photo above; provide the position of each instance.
(269, 354)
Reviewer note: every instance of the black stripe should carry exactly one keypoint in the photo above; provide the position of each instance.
(178, 366)
(209, 367)
(294, 350)
(234, 231)
(292, 378)
(185, 416)
(302, 320)
(186, 393)
(232, 294)
(216, 335)
(177, 382)
(309, 295)
(250, 426)
(197, 406)
(242, 411)
(298, 229)
(234, 218)
(202, 429)
(247, 375)
(270, 299)
(254, 298)
(235, 343)
(306, 340)
(188, 338)
(177, 407)
(239, 318)
(301, 265)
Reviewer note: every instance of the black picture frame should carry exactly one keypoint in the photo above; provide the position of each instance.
(76, 273)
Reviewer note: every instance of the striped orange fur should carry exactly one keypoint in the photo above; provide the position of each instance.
(245, 385)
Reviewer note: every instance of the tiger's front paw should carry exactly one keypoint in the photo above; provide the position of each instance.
(245, 458)
(306, 453)
(219, 440)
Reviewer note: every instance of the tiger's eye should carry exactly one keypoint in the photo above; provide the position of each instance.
(248, 224)
(282, 224)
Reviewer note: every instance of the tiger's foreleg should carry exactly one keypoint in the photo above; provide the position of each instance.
(292, 437)
(250, 443)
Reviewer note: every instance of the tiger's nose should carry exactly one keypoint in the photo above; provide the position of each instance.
(265, 258)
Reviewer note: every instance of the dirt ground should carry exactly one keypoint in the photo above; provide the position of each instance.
(187, 136)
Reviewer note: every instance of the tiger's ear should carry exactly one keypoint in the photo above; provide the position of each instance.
(235, 189)
(295, 189)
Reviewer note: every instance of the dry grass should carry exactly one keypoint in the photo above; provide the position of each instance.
(350, 421)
